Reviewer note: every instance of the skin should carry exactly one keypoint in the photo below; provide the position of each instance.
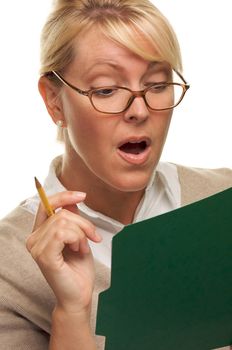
(59, 244)
(92, 138)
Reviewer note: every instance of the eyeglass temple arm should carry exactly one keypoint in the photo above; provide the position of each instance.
(69, 85)
(86, 93)
(181, 76)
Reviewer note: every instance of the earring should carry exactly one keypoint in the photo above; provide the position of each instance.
(60, 123)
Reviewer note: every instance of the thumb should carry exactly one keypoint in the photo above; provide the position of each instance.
(66, 199)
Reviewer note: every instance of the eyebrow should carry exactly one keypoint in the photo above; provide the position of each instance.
(161, 65)
(104, 62)
(89, 74)
(116, 66)
(153, 64)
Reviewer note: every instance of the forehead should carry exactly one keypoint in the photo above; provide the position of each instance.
(94, 48)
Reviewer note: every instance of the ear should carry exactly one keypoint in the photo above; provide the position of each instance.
(50, 94)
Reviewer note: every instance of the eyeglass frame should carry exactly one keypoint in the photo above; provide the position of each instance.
(141, 93)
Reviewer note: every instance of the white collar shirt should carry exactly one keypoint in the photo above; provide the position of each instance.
(161, 195)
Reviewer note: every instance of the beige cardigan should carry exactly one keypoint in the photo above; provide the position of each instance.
(26, 300)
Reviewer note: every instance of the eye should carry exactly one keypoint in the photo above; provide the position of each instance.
(158, 87)
(105, 92)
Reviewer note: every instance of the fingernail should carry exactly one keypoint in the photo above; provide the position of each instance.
(79, 195)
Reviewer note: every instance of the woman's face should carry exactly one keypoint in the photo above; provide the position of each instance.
(119, 151)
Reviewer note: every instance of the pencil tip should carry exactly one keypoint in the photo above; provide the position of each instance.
(37, 183)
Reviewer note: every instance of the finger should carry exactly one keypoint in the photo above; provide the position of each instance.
(56, 201)
(84, 246)
(65, 219)
(81, 246)
(50, 253)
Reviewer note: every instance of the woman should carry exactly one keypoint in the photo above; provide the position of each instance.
(110, 79)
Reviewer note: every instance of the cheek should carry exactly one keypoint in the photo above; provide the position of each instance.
(162, 125)
(86, 130)
(83, 134)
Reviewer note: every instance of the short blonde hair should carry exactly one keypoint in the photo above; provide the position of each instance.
(118, 20)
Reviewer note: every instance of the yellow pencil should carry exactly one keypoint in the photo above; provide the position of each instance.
(43, 198)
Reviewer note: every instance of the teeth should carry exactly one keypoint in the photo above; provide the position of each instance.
(137, 141)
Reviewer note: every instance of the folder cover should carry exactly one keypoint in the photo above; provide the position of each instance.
(171, 281)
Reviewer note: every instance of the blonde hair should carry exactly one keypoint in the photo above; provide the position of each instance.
(118, 20)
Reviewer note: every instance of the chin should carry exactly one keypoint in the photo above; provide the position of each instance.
(131, 183)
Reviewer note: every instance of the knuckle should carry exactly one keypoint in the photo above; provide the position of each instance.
(31, 241)
(59, 235)
(88, 224)
(79, 233)
(61, 222)
(41, 259)
(62, 217)
(36, 255)
(62, 213)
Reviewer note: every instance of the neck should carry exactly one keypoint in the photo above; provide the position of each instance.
(118, 205)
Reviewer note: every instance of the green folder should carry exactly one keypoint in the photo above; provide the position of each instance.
(171, 282)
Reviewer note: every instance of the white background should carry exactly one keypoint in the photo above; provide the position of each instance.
(200, 133)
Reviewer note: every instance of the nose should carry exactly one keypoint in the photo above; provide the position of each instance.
(138, 111)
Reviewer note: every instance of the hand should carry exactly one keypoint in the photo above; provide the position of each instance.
(60, 247)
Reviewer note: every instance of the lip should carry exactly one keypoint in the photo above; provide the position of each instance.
(137, 159)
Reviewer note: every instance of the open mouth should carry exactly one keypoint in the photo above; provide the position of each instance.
(135, 151)
(134, 147)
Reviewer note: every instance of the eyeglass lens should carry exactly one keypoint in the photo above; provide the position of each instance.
(115, 100)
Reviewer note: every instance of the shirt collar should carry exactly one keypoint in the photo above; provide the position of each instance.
(168, 177)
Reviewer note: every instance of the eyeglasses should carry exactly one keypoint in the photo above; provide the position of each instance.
(158, 96)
